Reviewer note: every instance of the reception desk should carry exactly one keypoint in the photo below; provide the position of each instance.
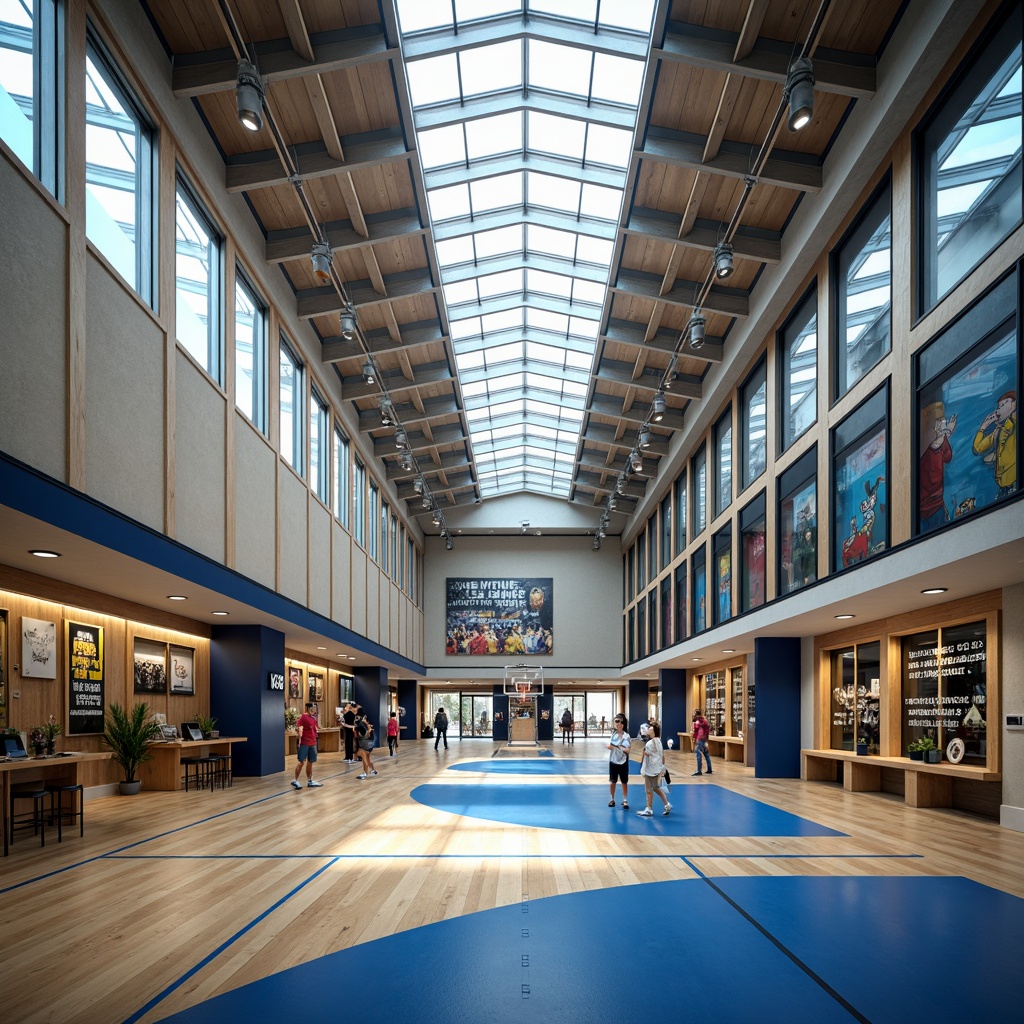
(58, 768)
(164, 771)
(328, 741)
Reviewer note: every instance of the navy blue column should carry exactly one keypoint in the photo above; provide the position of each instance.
(500, 728)
(371, 689)
(777, 677)
(408, 725)
(545, 726)
(242, 659)
(636, 702)
(673, 704)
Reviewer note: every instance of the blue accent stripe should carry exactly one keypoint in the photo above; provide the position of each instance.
(28, 491)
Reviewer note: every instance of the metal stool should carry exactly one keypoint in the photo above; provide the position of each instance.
(36, 820)
(222, 769)
(203, 771)
(62, 812)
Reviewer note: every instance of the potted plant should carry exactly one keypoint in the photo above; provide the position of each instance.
(38, 740)
(51, 730)
(291, 716)
(862, 745)
(128, 734)
(915, 750)
(206, 725)
(930, 753)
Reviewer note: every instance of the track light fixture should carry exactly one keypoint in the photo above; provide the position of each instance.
(407, 461)
(723, 260)
(426, 501)
(597, 542)
(436, 517)
(645, 438)
(401, 439)
(658, 407)
(249, 96)
(620, 484)
(636, 462)
(800, 93)
(448, 542)
(387, 412)
(322, 258)
(696, 327)
(369, 372)
(418, 485)
(612, 503)
(349, 322)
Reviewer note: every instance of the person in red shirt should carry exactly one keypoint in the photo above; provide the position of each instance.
(392, 735)
(307, 728)
(701, 731)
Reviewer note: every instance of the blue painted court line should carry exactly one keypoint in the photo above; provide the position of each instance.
(705, 810)
(532, 766)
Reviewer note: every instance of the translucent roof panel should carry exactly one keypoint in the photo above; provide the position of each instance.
(528, 128)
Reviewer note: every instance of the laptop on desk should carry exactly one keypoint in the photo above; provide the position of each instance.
(14, 748)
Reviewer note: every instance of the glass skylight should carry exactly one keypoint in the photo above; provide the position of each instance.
(500, 86)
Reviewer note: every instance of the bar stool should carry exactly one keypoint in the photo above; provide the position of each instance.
(36, 820)
(203, 769)
(75, 810)
(222, 769)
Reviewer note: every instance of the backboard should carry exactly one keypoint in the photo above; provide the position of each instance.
(524, 680)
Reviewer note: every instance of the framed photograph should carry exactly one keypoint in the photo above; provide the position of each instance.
(168, 732)
(38, 648)
(316, 687)
(150, 664)
(294, 682)
(182, 662)
(499, 616)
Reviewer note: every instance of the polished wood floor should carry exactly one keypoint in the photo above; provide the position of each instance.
(172, 898)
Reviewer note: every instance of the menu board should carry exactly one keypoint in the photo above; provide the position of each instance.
(85, 679)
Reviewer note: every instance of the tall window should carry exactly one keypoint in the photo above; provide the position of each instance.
(969, 164)
(667, 616)
(31, 72)
(385, 548)
(681, 512)
(862, 272)
(359, 503)
(292, 397)
(699, 583)
(798, 524)
(752, 549)
(681, 602)
(722, 548)
(631, 572)
(198, 274)
(396, 549)
(342, 469)
(723, 462)
(371, 520)
(250, 353)
(652, 547)
(641, 562)
(753, 425)
(798, 370)
(856, 697)
(120, 165)
(410, 566)
(699, 472)
(641, 627)
(666, 530)
(319, 427)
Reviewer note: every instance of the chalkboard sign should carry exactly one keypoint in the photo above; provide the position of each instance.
(85, 679)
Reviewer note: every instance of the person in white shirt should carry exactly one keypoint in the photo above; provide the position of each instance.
(618, 761)
(652, 768)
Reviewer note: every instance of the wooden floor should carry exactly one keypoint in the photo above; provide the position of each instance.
(172, 898)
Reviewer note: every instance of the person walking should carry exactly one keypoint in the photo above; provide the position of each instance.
(348, 728)
(618, 760)
(441, 728)
(392, 734)
(700, 731)
(364, 731)
(306, 728)
(652, 768)
(566, 724)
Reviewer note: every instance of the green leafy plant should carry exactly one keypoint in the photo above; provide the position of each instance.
(923, 744)
(128, 733)
(291, 716)
(206, 724)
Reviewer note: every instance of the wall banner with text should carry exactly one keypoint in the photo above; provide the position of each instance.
(85, 679)
(499, 616)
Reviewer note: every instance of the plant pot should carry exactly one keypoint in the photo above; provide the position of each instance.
(130, 788)
(915, 755)
(933, 757)
(862, 749)
(40, 749)
(51, 747)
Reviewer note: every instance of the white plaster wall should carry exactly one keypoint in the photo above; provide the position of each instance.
(255, 508)
(1011, 813)
(292, 517)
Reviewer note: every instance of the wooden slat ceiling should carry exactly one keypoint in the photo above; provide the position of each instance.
(336, 90)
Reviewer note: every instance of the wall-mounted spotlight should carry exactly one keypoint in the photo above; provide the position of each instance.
(723, 260)
(369, 372)
(349, 322)
(322, 258)
(658, 407)
(636, 462)
(800, 91)
(645, 438)
(696, 326)
(249, 96)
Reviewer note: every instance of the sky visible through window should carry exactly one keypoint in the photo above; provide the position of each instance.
(525, 120)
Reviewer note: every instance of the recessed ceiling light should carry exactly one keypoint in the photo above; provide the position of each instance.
(351, 657)
(45, 554)
(219, 613)
(321, 648)
(176, 597)
(935, 590)
(729, 650)
(695, 659)
(847, 616)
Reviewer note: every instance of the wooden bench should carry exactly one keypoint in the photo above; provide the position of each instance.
(728, 748)
(926, 785)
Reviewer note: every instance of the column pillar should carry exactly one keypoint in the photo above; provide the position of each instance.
(777, 676)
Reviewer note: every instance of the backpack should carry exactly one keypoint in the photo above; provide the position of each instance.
(440, 720)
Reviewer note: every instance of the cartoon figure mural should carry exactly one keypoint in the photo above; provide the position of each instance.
(936, 431)
(996, 440)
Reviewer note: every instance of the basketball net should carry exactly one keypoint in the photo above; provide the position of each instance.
(523, 688)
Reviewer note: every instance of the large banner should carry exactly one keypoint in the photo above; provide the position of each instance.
(498, 616)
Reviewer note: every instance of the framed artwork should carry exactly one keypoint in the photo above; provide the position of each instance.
(182, 662)
(38, 648)
(294, 682)
(86, 678)
(150, 666)
(316, 687)
(499, 616)
(860, 524)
